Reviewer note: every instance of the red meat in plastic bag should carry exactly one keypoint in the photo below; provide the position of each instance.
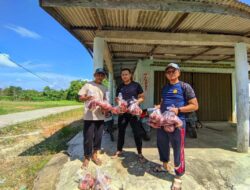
(155, 119)
(102, 104)
(134, 109)
(170, 121)
(87, 182)
(105, 105)
(92, 105)
(115, 110)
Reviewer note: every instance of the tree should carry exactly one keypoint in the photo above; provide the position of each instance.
(12, 91)
(75, 86)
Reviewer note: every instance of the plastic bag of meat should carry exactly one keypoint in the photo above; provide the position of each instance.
(170, 121)
(102, 181)
(92, 104)
(155, 119)
(116, 110)
(134, 108)
(86, 182)
(105, 105)
(122, 106)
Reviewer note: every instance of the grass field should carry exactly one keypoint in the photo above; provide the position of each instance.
(27, 155)
(19, 106)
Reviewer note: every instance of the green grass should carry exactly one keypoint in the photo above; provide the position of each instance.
(23, 169)
(19, 106)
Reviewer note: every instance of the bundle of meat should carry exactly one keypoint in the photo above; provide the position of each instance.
(105, 105)
(116, 110)
(134, 109)
(170, 121)
(102, 181)
(155, 119)
(122, 106)
(87, 182)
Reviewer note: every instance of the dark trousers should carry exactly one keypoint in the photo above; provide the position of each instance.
(92, 136)
(177, 140)
(123, 121)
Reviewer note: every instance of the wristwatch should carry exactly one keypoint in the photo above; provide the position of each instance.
(179, 110)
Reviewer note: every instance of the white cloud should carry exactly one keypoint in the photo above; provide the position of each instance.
(6, 61)
(31, 65)
(24, 32)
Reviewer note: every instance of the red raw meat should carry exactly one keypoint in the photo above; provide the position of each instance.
(134, 109)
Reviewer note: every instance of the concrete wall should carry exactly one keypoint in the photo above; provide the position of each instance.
(144, 75)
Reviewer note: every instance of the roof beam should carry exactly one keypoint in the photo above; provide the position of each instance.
(152, 50)
(201, 53)
(178, 23)
(222, 8)
(224, 58)
(160, 38)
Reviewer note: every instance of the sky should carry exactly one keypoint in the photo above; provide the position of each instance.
(31, 38)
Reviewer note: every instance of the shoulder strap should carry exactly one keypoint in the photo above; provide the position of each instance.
(184, 88)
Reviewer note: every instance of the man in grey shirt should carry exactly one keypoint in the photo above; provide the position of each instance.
(93, 119)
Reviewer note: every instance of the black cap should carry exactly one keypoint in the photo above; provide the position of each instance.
(100, 70)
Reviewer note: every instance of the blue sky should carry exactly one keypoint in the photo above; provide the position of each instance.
(32, 38)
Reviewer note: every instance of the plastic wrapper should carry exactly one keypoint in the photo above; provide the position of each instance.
(170, 121)
(86, 182)
(116, 110)
(134, 108)
(94, 103)
(155, 119)
(122, 106)
(103, 181)
(105, 105)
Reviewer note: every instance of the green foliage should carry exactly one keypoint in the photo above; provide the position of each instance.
(105, 82)
(17, 93)
(75, 86)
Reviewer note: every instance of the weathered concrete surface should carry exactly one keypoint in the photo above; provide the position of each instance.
(15, 118)
(48, 176)
(211, 163)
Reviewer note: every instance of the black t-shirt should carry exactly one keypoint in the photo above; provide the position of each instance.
(130, 90)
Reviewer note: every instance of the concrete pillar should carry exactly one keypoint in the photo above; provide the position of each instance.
(242, 104)
(234, 115)
(111, 87)
(98, 52)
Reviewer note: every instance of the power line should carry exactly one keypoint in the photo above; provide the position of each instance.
(36, 75)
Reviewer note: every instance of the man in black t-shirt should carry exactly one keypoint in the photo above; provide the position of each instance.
(129, 89)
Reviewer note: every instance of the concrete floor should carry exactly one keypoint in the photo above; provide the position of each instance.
(211, 163)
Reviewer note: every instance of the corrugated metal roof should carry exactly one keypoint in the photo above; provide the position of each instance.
(84, 21)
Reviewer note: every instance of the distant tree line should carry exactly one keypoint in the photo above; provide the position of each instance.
(17, 93)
